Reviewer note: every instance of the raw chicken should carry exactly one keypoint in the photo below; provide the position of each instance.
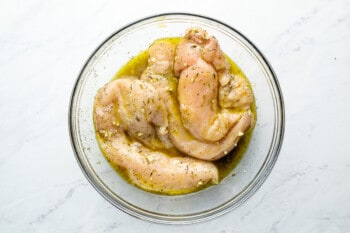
(198, 60)
(156, 171)
(185, 142)
(234, 92)
(140, 111)
(159, 70)
(133, 107)
(162, 79)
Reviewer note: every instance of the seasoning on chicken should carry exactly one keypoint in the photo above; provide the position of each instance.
(185, 110)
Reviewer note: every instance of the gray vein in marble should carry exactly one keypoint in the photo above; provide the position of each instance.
(79, 182)
(61, 202)
(294, 35)
(297, 23)
(57, 205)
(295, 175)
(243, 217)
(274, 226)
(111, 227)
(333, 222)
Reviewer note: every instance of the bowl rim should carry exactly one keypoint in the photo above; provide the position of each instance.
(240, 198)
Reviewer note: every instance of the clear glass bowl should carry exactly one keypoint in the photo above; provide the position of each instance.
(216, 200)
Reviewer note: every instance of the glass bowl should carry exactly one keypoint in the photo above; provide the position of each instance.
(240, 184)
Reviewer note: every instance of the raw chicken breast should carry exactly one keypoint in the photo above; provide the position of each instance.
(156, 171)
(133, 107)
(198, 60)
(139, 110)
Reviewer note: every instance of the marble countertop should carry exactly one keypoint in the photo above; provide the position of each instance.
(43, 46)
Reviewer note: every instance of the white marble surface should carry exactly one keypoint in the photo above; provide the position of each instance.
(43, 45)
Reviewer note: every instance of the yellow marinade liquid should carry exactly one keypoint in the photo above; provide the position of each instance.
(136, 65)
